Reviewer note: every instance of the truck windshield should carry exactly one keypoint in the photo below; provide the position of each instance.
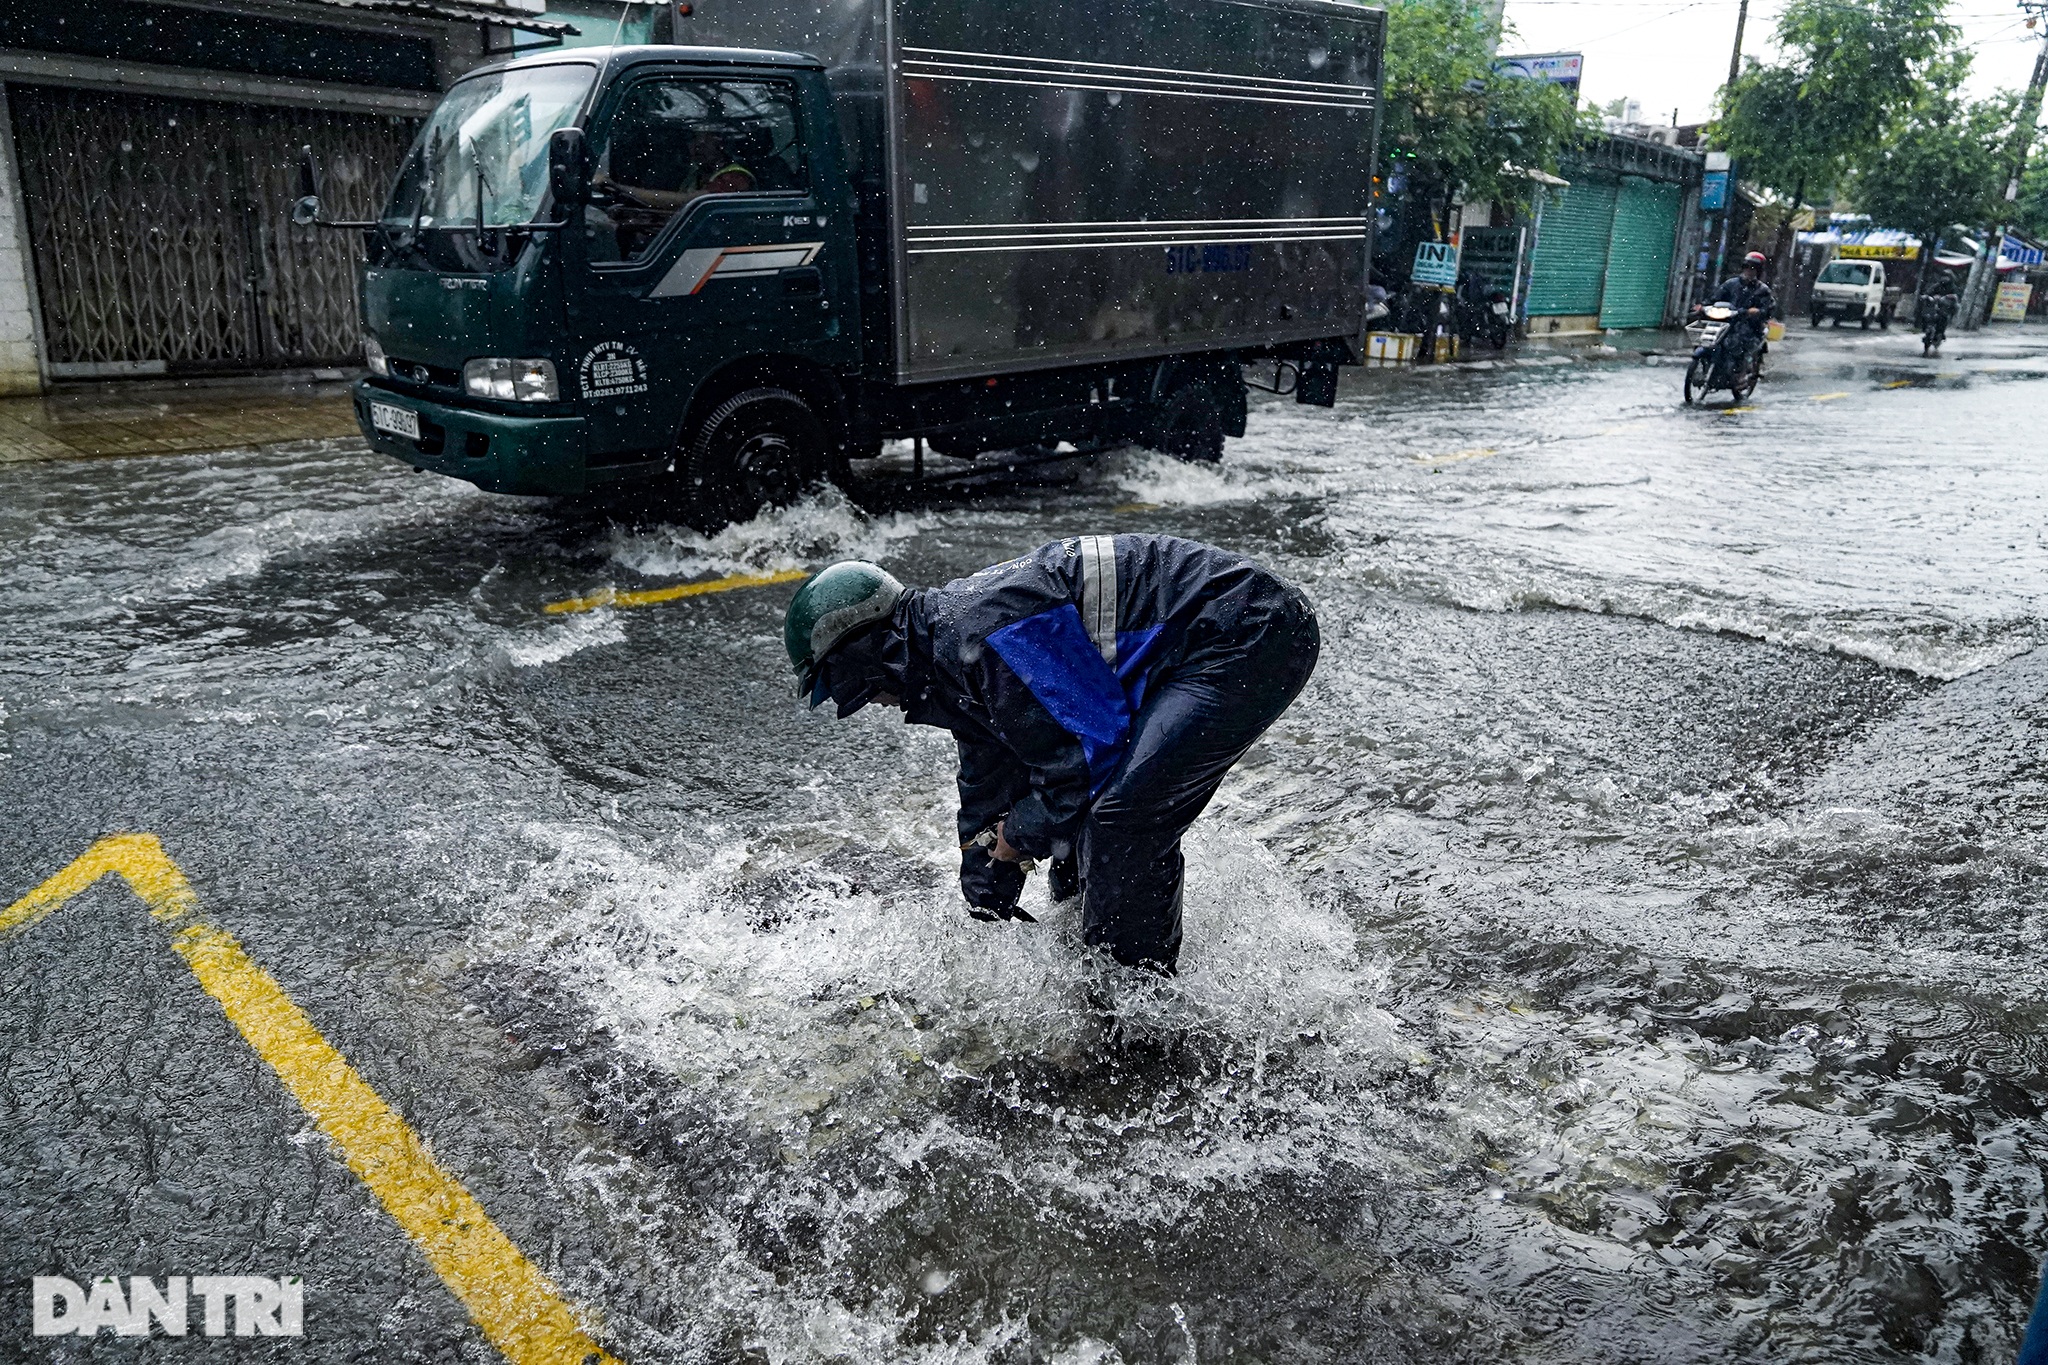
(488, 142)
(1841, 272)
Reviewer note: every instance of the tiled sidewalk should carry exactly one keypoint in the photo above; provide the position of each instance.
(166, 419)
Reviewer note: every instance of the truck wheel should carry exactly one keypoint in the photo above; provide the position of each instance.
(1189, 426)
(759, 448)
(1864, 322)
(1815, 318)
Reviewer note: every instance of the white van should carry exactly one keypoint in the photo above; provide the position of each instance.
(1852, 291)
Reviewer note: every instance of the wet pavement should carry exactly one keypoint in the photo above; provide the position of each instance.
(1627, 949)
(174, 418)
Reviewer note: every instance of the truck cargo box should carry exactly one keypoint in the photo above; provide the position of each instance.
(1069, 181)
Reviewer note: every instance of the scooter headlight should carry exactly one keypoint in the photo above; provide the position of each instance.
(511, 381)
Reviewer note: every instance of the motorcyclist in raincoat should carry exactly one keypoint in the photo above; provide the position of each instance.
(1752, 301)
(1099, 688)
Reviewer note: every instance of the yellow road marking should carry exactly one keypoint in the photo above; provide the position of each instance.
(1828, 397)
(1135, 507)
(1725, 411)
(1475, 453)
(1898, 383)
(611, 597)
(519, 1309)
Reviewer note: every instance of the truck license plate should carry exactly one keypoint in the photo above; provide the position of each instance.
(1500, 310)
(396, 420)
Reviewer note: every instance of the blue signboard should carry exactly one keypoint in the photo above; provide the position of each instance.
(1714, 191)
(1435, 263)
(2018, 252)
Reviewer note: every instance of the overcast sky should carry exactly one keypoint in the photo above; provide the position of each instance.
(1673, 54)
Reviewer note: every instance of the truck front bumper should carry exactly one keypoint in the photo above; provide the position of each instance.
(538, 456)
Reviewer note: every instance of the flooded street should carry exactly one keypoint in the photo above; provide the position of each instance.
(1628, 948)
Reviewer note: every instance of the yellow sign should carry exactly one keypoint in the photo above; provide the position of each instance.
(1877, 253)
(2011, 304)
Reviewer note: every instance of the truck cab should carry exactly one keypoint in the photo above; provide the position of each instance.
(1852, 291)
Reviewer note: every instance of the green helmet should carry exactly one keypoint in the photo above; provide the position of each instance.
(838, 603)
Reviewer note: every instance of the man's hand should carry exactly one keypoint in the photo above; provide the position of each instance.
(1003, 852)
(991, 888)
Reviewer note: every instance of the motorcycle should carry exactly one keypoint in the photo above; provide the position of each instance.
(1935, 312)
(1484, 314)
(1716, 361)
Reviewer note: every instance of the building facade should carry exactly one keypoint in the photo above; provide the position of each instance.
(148, 161)
(1611, 249)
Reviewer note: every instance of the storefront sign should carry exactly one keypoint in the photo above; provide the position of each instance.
(1435, 263)
(1878, 253)
(1714, 191)
(2011, 304)
(1555, 68)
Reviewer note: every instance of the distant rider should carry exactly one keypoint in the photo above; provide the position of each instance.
(1099, 688)
(1752, 301)
(1939, 302)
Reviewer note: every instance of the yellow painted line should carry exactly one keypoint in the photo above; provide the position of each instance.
(1476, 453)
(519, 1310)
(1725, 411)
(611, 597)
(1828, 397)
(1898, 383)
(1135, 507)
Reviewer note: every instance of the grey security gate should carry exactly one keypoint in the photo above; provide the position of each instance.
(161, 229)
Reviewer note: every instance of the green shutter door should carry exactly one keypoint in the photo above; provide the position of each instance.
(1639, 254)
(1570, 259)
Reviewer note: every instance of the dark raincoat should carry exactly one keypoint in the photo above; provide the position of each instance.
(1099, 688)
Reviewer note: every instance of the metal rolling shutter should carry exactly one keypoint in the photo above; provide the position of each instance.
(1570, 260)
(161, 228)
(1639, 254)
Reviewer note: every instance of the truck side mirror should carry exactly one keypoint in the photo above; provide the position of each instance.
(306, 212)
(568, 167)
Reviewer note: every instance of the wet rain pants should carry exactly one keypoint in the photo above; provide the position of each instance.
(1188, 734)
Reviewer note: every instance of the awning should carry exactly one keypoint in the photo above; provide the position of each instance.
(459, 13)
(1540, 177)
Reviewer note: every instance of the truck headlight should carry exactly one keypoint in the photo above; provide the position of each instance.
(511, 381)
(373, 356)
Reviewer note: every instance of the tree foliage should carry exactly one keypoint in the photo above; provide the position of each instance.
(1851, 66)
(2030, 214)
(1941, 162)
(1450, 123)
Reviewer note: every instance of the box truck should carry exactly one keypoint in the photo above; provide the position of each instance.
(733, 262)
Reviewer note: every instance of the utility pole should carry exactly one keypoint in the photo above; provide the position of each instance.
(1984, 270)
(1735, 57)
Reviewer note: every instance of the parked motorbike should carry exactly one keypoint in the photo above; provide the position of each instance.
(1935, 312)
(1716, 360)
(1484, 314)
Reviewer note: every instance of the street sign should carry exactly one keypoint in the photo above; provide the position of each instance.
(1714, 191)
(2011, 302)
(1435, 263)
(2019, 253)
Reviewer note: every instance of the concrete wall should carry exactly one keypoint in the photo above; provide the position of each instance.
(20, 360)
